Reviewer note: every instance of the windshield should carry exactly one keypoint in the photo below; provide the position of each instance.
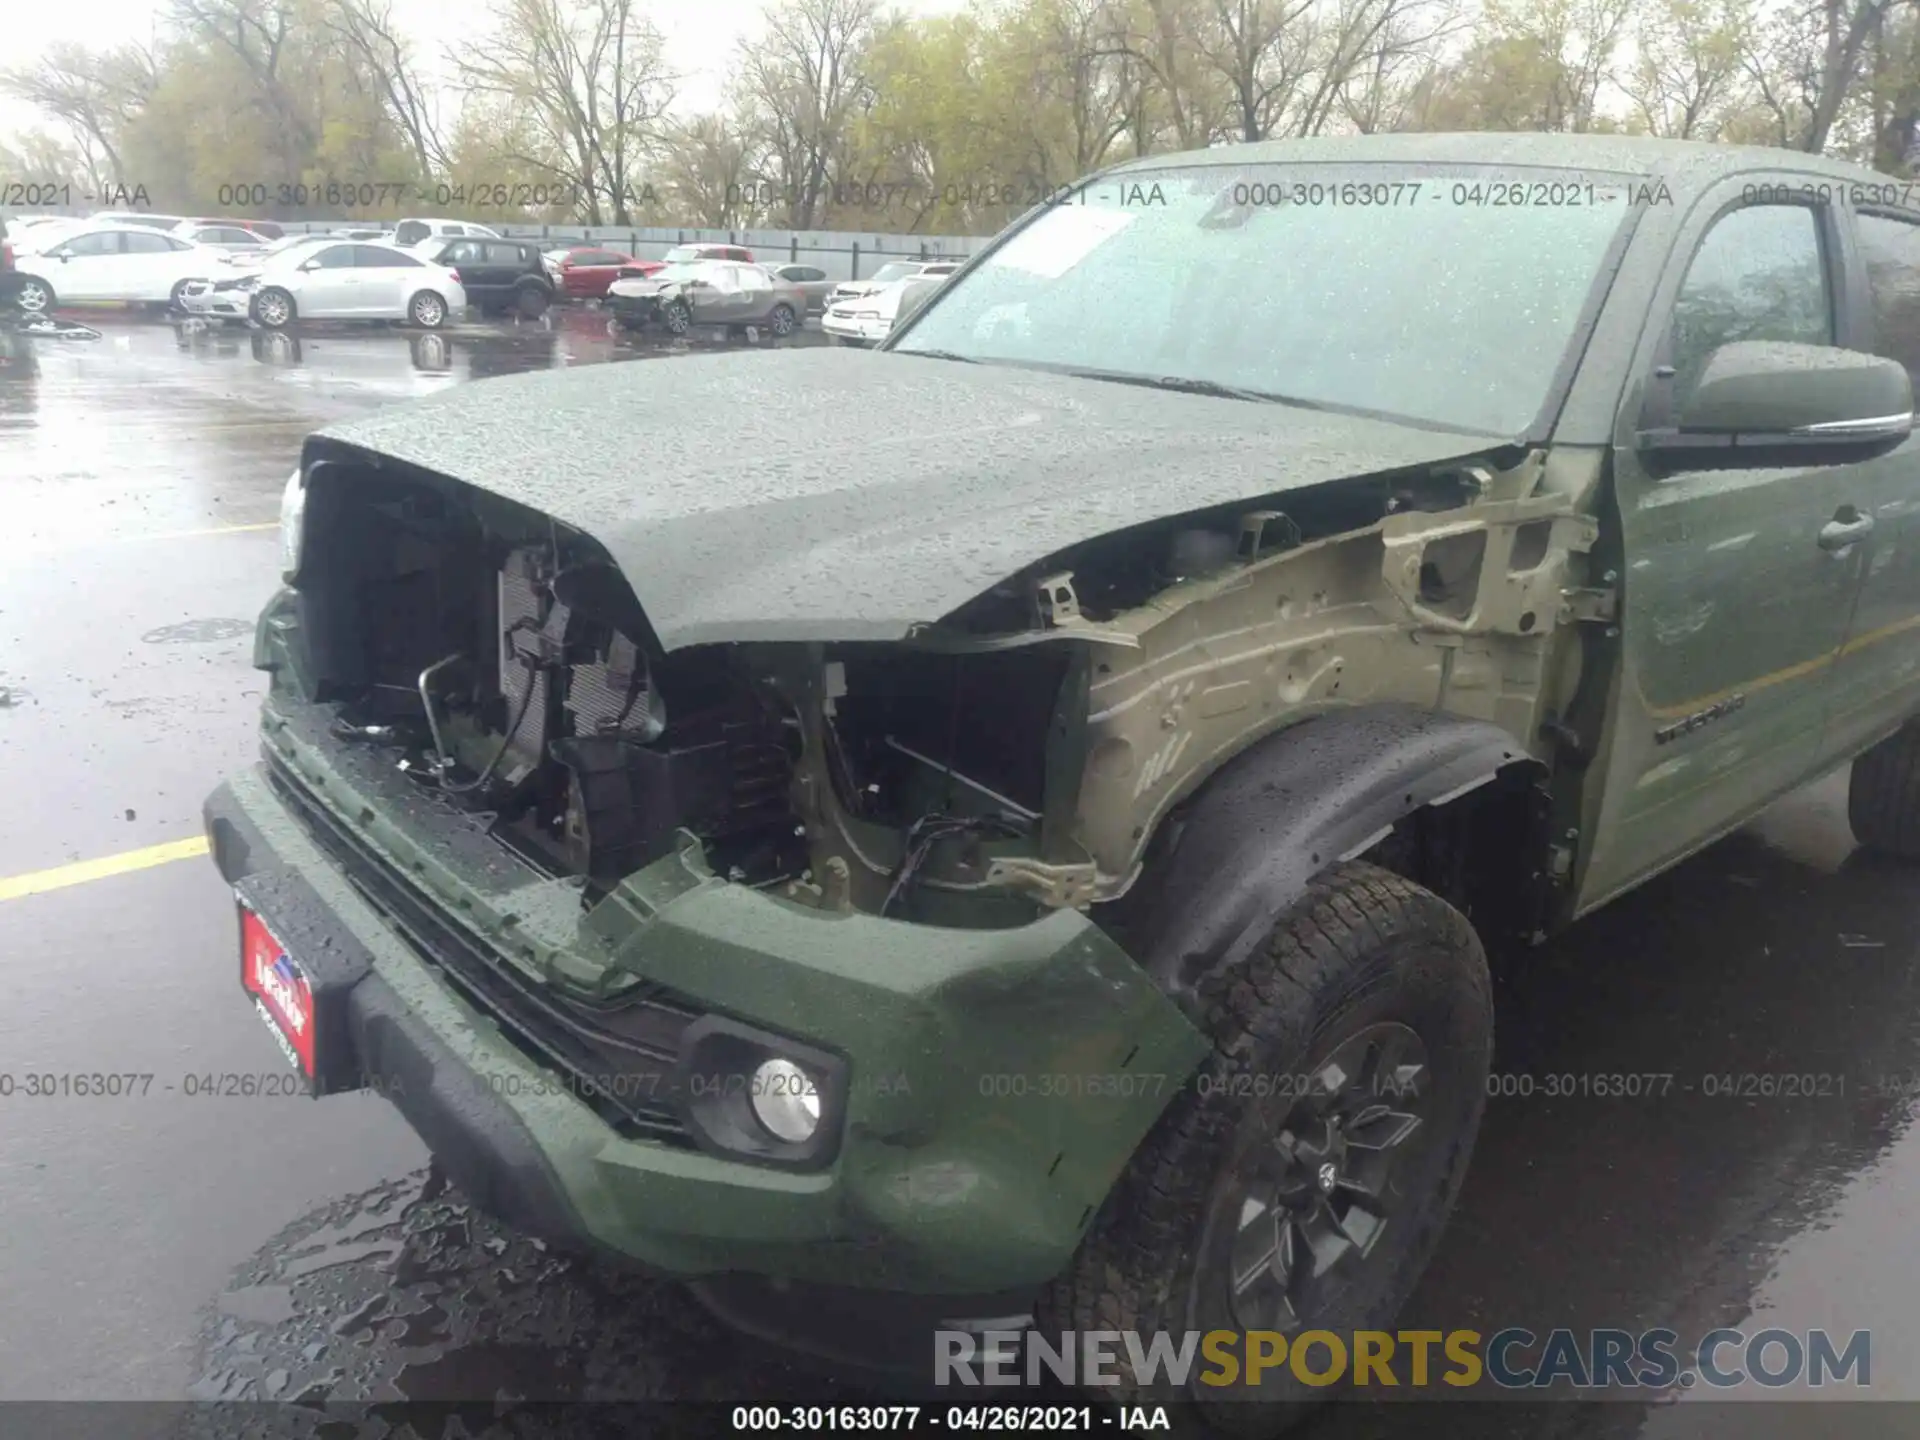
(890, 272)
(683, 253)
(1446, 297)
(683, 269)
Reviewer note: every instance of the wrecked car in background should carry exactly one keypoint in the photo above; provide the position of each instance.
(1039, 857)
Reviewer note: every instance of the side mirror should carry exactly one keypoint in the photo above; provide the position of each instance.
(1768, 402)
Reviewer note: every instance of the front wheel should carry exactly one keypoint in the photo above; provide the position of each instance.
(177, 298)
(35, 296)
(676, 317)
(427, 310)
(273, 308)
(1302, 1178)
(781, 321)
(532, 303)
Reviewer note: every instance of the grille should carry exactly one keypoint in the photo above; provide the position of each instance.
(617, 1058)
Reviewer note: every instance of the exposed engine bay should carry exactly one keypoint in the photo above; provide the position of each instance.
(504, 662)
(1013, 757)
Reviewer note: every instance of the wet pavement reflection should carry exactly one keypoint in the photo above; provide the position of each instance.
(264, 1250)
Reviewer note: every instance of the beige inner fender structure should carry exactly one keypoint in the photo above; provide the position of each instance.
(1463, 610)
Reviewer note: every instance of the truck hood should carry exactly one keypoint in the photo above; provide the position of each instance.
(742, 504)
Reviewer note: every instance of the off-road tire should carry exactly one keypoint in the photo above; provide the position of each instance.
(1883, 795)
(531, 302)
(1363, 945)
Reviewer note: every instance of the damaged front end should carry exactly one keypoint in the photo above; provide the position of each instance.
(652, 871)
(501, 663)
(1013, 758)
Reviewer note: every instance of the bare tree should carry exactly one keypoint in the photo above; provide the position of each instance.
(263, 36)
(1687, 70)
(1847, 26)
(802, 77)
(1080, 75)
(39, 157)
(1381, 92)
(95, 95)
(1163, 45)
(1804, 62)
(707, 168)
(1894, 90)
(366, 29)
(592, 77)
(1363, 37)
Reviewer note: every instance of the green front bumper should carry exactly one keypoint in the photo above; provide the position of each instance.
(999, 1080)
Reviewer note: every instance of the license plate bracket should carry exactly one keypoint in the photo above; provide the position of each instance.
(297, 968)
(281, 990)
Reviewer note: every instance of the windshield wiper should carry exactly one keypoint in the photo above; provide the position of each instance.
(943, 355)
(1188, 385)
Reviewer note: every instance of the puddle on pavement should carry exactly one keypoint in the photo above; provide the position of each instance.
(198, 632)
(406, 1294)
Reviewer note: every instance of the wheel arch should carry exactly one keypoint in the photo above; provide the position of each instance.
(1454, 804)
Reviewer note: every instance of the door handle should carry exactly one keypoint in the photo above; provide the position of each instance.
(1838, 534)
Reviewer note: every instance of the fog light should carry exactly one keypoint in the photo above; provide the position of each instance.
(786, 1100)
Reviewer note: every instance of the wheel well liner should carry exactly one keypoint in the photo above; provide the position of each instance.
(1244, 848)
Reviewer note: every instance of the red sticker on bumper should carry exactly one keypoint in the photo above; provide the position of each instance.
(280, 989)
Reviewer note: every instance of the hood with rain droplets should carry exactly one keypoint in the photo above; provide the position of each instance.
(837, 494)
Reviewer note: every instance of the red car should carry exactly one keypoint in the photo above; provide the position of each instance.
(584, 271)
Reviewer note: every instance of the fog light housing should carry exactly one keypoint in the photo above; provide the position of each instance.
(750, 1094)
(786, 1100)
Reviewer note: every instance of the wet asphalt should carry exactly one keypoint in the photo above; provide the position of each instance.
(170, 1243)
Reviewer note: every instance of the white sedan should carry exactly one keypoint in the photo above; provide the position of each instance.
(132, 264)
(869, 319)
(350, 280)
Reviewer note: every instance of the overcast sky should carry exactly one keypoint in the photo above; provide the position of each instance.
(700, 35)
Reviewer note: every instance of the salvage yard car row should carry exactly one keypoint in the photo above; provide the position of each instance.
(425, 272)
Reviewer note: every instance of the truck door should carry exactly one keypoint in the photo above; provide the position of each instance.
(1734, 601)
(1876, 684)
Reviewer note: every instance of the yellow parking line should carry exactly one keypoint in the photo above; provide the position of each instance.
(143, 536)
(196, 534)
(36, 882)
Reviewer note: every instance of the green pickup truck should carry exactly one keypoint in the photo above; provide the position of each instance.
(1033, 860)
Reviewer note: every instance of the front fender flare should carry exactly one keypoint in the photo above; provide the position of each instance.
(1290, 806)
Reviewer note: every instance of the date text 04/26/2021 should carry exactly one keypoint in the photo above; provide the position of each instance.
(924, 1419)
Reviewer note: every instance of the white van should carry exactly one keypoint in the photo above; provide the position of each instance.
(409, 233)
